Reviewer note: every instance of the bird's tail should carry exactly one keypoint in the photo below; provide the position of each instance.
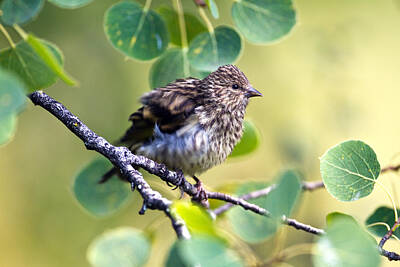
(127, 138)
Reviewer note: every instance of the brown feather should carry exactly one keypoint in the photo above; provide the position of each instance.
(168, 107)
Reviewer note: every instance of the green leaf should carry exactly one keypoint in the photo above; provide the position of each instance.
(251, 227)
(174, 258)
(100, 199)
(212, 6)
(280, 201)
(192, 24)
(12, 94)
(172, 65)
(48, 56)
(121, 247)
(346, 244)
(263, 21)
(334, 216)
(249, 142)
(29, 66)
(208, 51)
(70, 4)
(12, 100)
(20, 11)
(385, 215)
(137, 33)
(8, 126)
(349, 170)
(197, 220)
(206, 251)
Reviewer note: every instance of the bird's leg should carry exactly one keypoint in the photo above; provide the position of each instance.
(181, 179)
(201, 195)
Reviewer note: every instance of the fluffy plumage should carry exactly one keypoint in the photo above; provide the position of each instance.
(192, 124)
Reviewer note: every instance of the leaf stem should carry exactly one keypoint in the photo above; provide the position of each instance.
(203, 15)
(395, 196)
(211, 31)
(20, 31)
(140, 24)
(379, 223)
(182, 25)
(390, 197)
(298, 249)
(7, 35)
(147, 5)
(243, 248)
(290, 252)
(279, 241)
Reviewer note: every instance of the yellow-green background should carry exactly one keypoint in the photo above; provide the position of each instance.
(335, 77)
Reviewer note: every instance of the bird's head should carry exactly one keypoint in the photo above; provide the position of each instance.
(229, 86)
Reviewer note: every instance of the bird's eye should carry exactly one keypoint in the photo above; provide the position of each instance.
(235, 86)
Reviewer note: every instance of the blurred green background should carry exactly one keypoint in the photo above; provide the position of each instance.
(335, 77)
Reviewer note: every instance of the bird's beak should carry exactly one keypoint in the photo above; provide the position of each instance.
(253, 92)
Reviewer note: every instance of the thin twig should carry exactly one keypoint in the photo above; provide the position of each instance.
(394, 168)
(251, 195)
(307, 186)
(241, 201)
(389, 234)
(392, 256)
(301, 226)
(311, 186)
(256, 209)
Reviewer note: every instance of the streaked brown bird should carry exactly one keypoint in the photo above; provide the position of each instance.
(191, 124)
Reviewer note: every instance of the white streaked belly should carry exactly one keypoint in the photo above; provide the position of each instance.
(188, 150)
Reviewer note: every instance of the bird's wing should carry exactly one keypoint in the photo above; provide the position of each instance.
(167, 107)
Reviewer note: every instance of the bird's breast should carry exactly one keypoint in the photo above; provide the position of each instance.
(185, 150)
(194, 148)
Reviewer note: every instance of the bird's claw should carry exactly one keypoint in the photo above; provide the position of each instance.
(201, 194)
(180, 179)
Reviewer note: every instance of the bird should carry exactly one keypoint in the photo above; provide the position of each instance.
(191, 125)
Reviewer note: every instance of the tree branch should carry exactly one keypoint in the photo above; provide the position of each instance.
(386, 237)
(121, 157)
(389, 234)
